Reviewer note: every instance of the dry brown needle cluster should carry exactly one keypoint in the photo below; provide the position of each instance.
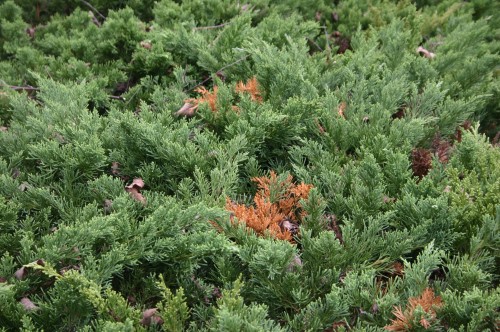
(277, 209)
(251, 87)
(428, 302)
(210, 97)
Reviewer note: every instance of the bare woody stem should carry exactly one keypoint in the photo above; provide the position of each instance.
(219, 70)
(211, 26)
(16, 87)
(93, 9)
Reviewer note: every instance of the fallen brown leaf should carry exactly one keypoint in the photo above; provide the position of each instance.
(134, 189)
(20, 274)
(425, 53)
(149, 316)
(288, 225)
(188, 110)
(27, 304)
(146, 44)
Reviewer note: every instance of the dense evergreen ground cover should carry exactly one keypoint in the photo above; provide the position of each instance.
(249, 166)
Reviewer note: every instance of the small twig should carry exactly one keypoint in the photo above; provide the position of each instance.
(327, 42)
(218, 71)
(315, 44)
(117, 98)
(26, 88)
(93, 9)
(211, 26)
(32, 88)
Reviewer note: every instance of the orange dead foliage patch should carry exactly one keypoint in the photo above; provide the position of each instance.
(277, 208)
(191, 104)
(210, 97)
(251, 87)
(404, 320)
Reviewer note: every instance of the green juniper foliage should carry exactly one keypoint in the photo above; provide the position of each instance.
(145, 149)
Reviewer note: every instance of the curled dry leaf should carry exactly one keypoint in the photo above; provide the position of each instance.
(146, 44)
(137, 182)
(188, 109)
(425, 53)
(20, 274)
(27, 304)
(134, 189)
(137, 195)
(288, 225)
(149, 317)
(4, 129)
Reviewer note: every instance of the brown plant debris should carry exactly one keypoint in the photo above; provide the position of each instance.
(134, 189)
(210, 97)
(146, 44)
(341, 109)
(188, 109)
(251, 87)
(276, 210)
(425, 53)
(442, 149)
(399, 114)
(404, 320)
(191, 104)
(421, 162)
(27, 304)
(149, 316)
